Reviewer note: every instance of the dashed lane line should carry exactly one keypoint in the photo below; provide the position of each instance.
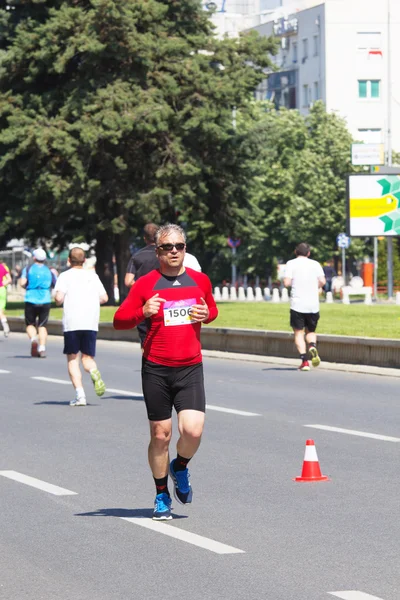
(374, 436)
(231, 411)
(51, 380)
(125, 392)
(3, 372)
(354, 595)
(184, 536)
(37, 483)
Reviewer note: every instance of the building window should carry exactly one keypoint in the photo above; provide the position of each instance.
(375, 88)
(369, 88)
(370, 136)
(294, 46)
(362, 88)
(316, 91)
(305, 96)
(316, 45)
(368, 40)
(305, 48)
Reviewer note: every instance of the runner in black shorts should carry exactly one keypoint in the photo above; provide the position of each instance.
(37, 278)
(142, 262)
(175, 301)
(307, 321)
(305, 277)
(37, 315)
(165, 388)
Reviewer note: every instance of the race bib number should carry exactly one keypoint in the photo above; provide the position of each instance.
(178, 312)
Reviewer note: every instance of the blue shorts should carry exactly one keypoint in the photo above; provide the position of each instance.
(80, 341)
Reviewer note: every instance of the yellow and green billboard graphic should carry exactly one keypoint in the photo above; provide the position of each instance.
(373, 205)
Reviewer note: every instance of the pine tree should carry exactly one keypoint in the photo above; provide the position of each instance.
(115, 112)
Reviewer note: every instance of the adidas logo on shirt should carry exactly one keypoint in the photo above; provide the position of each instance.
(176, 282)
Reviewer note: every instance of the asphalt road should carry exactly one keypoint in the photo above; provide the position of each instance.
(252, 533)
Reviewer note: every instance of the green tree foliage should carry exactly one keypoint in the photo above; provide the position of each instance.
(382, 262)
(116, 112)
(299, 183)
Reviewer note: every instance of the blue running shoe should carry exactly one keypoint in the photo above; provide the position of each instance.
(182, 488)
(162, 508)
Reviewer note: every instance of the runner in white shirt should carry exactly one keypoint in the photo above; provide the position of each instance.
(81, 292)
(305, 277)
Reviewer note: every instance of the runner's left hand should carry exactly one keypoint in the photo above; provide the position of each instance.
(200, 312)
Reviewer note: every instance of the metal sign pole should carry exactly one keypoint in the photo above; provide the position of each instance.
(390, 267)
(375, 268)
(344, 265)
(233, 266)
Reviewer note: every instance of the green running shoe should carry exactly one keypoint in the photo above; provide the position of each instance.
(99, 385)
(315, 359)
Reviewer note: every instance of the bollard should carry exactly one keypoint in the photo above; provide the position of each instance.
(346, 297)
(225, 293)
(241, 294)
(233, 293)
(275, 295)
(397, 297)
(368, 296)
(329, 298)
(250, 294)
(285, 295)
(217, 294)
(267, 293)
(259, 296)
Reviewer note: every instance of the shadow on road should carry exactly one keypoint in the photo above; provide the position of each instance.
(25, 356)
(58, 403)
(122, 397)
(280, 369)
(126, 513)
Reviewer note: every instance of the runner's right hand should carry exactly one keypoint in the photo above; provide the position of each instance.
(152, 306)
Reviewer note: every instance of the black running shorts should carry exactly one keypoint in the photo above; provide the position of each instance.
(36, 314)
(307, 321)
(168, 387)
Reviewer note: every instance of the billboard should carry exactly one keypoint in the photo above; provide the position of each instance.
(373, 205)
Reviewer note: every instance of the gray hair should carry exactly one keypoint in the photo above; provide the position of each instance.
(167, 229)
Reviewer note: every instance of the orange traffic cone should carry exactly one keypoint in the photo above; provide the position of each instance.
(311, 470)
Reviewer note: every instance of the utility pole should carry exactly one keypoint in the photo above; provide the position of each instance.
(389, 147)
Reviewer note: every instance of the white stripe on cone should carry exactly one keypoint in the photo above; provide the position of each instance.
(310, 454)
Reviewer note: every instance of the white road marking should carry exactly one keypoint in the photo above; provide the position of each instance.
(37, 483)
(354, 595)
(374, 436)
(232, 411)
(51, 380)
(124, 392)
(4, 372)
(184, 536)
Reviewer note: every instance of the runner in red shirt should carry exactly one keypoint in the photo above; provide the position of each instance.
(174, 301)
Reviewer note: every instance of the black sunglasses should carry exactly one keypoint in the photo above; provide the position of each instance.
(169, 247)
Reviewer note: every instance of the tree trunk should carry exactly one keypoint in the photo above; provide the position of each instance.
(122, 256)
(104, 263)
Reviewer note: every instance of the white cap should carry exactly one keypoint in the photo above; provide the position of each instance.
(39, 254)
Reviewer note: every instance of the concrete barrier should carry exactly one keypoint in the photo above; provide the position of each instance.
(332, 348)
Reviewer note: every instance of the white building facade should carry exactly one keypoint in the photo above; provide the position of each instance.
(338, 51)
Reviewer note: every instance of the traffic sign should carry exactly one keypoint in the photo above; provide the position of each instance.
(232, 243)
(343, 241)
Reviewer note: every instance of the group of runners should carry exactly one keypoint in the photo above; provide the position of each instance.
(168, 301)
